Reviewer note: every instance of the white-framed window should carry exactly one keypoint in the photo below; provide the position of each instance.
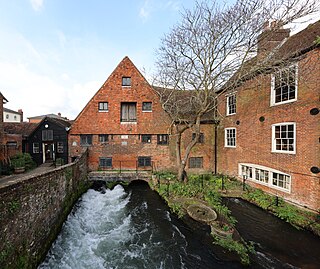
(284, 85)
(230, 137)
(246, 171)
(162, 139)
(284, 137)
(35, 148)
(60, 147)
(231, 104)
(103, 106)
(265, 176)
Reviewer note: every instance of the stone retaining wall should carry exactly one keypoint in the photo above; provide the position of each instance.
(33, 210)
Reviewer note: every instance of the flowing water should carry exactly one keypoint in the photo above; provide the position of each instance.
(131, 227)
(277, 243)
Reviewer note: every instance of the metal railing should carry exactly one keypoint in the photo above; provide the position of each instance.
(128, 166)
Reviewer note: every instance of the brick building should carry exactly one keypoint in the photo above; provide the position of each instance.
(124, 126)
(270, 130)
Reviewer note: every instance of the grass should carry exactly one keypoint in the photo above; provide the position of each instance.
(208, 188)
(205, 188)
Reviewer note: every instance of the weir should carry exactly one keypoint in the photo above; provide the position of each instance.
(123, 176)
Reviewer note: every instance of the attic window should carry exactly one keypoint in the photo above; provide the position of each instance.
(126, 81)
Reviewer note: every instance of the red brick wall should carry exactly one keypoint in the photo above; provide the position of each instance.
(254, 138)
(91, 121)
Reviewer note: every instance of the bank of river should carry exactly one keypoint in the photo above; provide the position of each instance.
(131, 227)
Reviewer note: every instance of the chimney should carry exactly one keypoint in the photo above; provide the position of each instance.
(272, 36)
(21, 114)
(59, 114)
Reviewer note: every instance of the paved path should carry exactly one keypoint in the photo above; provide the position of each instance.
(12, 179)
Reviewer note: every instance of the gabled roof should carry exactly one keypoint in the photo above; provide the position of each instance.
(4, 99)
(62, 122)
(22, 128)
(295, 46)
(49, 116)
(183, 99)
(11, 111)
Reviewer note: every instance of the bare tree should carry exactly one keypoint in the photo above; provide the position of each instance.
(212, 44)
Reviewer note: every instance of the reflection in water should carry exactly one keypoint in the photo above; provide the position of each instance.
(278, 244)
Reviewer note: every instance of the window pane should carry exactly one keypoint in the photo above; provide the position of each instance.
(144, 161)
(195, 162)
(146, 138)
(147, 106)
(285, 85)
(126, 81)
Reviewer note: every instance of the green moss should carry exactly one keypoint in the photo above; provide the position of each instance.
(13, 206)
(242, 248)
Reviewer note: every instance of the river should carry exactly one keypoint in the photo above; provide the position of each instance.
(131, 227)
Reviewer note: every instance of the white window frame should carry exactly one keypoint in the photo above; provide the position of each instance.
(270, 172)
(229, 105)
(104, 107)
(35, 147)
(274, 139)
(226, 137)
(273, 80)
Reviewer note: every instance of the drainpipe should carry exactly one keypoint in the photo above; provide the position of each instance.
(215, 148)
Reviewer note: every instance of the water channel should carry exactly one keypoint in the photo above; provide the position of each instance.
(131, 227)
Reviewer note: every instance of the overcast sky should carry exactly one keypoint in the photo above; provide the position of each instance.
(55, 54)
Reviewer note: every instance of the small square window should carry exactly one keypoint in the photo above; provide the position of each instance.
(103, 138)
(103, 106)
(163, 139)
(47, 135)
(146, 138)
(105, 162)
(85, 140)
(200, 139)
(146, 106)
(126, 81)
(144, 161)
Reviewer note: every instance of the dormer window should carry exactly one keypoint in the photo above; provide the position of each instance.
(126, 81)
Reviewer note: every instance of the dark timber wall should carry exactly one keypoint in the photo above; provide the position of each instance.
(33, 211)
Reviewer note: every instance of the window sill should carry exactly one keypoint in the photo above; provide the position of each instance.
(147, 111)
(284, 152)
(128, 122)
(233, 147)
(231, 114)
(103, 110)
